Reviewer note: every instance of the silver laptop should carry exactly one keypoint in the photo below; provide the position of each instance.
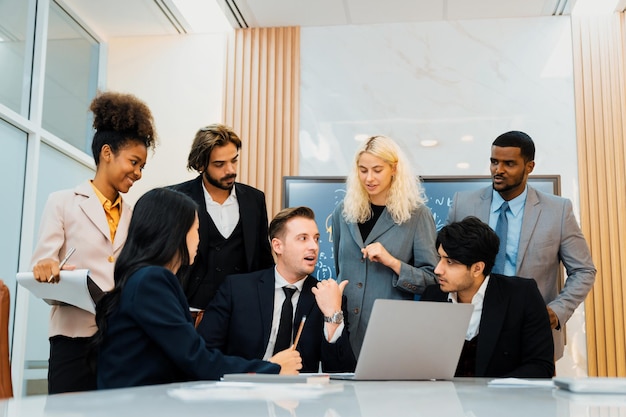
(411, 340)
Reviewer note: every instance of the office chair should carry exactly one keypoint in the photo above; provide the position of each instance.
(6, 386)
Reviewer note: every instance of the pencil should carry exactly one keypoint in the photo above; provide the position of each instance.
(295, 342)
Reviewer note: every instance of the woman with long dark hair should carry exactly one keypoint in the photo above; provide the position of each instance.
(145, 331)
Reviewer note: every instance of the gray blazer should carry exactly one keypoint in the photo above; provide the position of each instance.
(412, 242)
(550, 235)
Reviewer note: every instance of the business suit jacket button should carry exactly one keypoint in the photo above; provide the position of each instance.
(218, 248)
(359, 285)
(218, 269)
(356, 310)
(111, 259)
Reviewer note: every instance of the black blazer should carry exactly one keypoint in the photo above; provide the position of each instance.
(150, 338)
(239, 319)
(253, 217)
(514, 338)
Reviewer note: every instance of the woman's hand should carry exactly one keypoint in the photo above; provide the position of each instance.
(289, 360)
(47, 270)
(376, 252)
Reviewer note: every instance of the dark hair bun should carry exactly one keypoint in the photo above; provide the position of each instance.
(122, 113)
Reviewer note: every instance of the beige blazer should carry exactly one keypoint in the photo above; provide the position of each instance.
(76, 218)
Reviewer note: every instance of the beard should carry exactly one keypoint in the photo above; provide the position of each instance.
(503, 187)
(221, 183)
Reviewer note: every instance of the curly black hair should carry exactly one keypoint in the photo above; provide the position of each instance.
(118, 119)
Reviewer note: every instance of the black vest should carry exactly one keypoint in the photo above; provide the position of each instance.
(225, 257)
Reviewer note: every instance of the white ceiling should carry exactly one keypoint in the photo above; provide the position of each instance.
(357, 12)
(115, 18)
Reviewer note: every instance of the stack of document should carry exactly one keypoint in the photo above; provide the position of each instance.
(304, 378)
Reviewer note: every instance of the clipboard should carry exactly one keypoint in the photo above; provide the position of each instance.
(75, 288)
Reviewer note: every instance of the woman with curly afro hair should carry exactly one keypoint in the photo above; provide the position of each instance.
(92, 218)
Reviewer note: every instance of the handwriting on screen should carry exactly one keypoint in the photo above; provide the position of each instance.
(323, 194)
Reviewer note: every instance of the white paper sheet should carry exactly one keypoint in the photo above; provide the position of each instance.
(71, 289)
(241, 391)
(518, 382)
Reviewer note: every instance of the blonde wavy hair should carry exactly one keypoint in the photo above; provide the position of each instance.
(405, 195)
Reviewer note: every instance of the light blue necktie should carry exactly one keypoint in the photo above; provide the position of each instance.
(502, 228)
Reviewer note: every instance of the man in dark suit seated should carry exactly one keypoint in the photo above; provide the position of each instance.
(244, 317)
(509, 331)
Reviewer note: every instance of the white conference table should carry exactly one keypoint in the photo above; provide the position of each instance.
(462, 397)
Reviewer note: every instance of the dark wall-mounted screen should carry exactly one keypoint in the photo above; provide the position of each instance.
(322, 194)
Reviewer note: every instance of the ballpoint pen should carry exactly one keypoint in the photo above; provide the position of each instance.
(67, 256)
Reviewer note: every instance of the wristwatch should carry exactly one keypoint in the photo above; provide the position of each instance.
(336, 318)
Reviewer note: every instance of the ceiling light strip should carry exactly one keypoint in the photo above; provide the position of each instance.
(234, 10)
(180, 28)
(559, 7)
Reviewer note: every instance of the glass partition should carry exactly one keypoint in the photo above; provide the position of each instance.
(12, 171)
(15, 54)
(70, 79)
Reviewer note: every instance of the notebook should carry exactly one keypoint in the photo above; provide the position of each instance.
(591, 385)
(74, 288)
(411, 340)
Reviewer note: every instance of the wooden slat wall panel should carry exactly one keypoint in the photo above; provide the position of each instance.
(600, 82)
(262, 104)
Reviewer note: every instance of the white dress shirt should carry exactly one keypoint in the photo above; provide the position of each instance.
(279, 298)
(514, 215)
(477, 302)
(225, 215)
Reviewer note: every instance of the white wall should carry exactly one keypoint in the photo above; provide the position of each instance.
(444, 81)
(181, 80)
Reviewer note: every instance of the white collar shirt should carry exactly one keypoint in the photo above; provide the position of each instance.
(225, 216)
(514, 215)
(279, 298)
(477, 301)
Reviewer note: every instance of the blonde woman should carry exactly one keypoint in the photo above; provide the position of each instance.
(383, 233)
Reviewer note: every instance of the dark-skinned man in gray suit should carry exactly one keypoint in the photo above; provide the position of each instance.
(542, 230)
